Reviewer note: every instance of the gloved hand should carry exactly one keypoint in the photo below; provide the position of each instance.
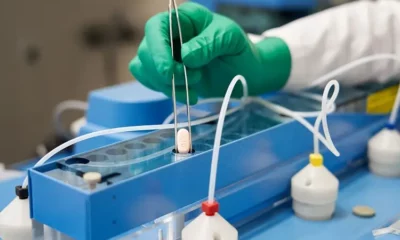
(215, 50)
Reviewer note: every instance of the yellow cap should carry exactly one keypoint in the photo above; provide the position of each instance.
(316, 159)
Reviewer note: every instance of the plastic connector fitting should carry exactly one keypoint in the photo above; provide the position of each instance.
(316, 159)
(210, 225)
(22, 193)
(210, 209)
(390, 126)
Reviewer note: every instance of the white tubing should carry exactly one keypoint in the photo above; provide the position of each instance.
(351, 65)
(356, 63)
(323, 115)
(218, 134)
(315, 97)
(60, 109)
(301, 120)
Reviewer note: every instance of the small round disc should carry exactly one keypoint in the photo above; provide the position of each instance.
(92, 177)
(363, 211)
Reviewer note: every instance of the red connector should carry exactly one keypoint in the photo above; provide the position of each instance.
(210, 208)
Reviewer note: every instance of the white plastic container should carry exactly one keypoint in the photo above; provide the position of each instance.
(314, 191)
(384, 153)
(15, 221)
(210, 226)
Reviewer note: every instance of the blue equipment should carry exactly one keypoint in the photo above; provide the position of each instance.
(128, 104)
(266, 13)
(144, 181)
(271, 4)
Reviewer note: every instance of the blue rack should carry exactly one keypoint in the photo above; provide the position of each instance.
(259, 165)
(146, 181)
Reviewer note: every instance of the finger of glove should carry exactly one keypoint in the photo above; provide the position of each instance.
(193, 75)
(199, 16)
(157, 33)
(218, 39)
(145, 77)
(142, 75)
(149, 64)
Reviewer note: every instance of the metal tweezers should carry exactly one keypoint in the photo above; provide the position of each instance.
(173, 6)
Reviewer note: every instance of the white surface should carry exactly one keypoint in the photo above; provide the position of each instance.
(209, 228)
(183, 141)
(314, 191)
(384, 153)
(15, 222)
(327, 40)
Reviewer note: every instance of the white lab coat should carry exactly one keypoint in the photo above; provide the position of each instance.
(327, 40)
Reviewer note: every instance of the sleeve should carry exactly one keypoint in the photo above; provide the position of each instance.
(327, 40)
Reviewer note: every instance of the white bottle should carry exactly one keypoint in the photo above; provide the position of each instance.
(314, 191)
(210, 226)
(15, 221)
(384, 153)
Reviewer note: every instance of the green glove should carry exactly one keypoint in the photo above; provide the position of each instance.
(215, 50)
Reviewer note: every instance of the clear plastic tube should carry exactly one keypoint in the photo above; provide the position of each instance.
(218, 133)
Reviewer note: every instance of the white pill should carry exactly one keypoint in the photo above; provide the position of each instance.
(92, 178)
(183, 141)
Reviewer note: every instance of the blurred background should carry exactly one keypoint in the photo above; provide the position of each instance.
(52, 51)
